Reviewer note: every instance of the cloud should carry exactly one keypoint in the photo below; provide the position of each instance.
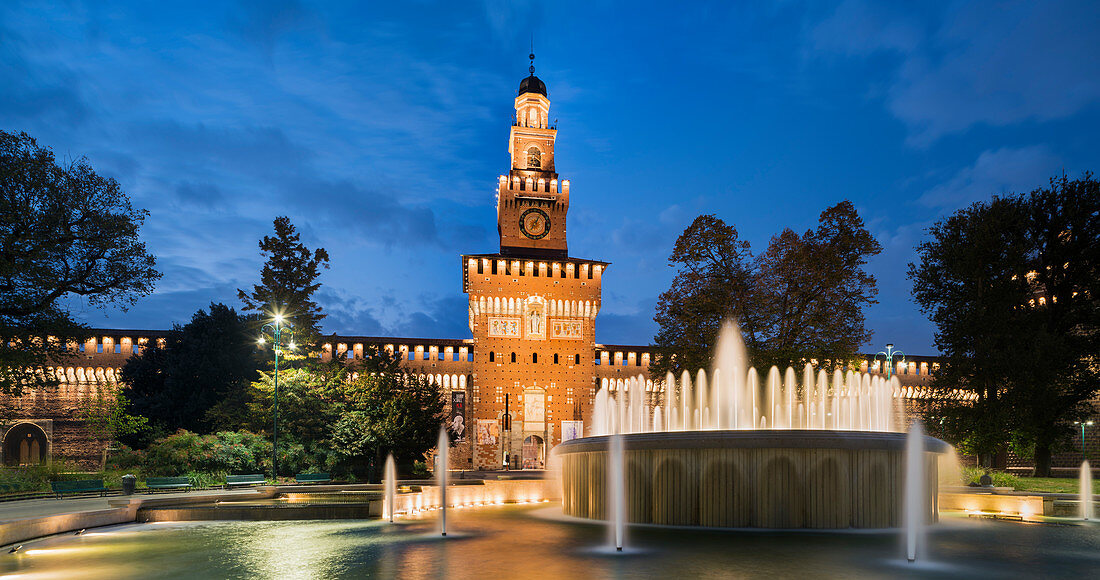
(34, 90)
(858, 28)
(252, 151)
(201, 194)
(975, 63)
(636, 329)
(895, 317)
(429, 317)
(998, 171)
(272, 174)
(264, 21)
(159, 310)
(372, 214)
(509, 19)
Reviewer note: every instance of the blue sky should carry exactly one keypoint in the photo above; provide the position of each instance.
(380, 128)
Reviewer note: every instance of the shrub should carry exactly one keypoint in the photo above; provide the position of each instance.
(1000, 478)
(224, 451)
(294, 457)
(124, 458)
(15, 480)
(972, 475)
(206, 479)
(38, 477)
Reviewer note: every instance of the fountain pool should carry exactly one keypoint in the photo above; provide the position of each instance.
(533, 541)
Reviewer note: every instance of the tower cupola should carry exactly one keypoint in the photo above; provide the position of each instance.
(532, 84)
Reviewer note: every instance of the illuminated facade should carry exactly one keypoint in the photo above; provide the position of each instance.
(532, 307)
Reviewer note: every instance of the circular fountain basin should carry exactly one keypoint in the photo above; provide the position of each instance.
(782, 479)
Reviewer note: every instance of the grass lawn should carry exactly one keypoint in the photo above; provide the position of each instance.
(1053, 484)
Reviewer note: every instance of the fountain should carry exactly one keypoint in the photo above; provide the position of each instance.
(729, 450)
(1084, 490)
(390, 488)
(443, 452)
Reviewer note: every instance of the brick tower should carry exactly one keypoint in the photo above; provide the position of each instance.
(532, 307)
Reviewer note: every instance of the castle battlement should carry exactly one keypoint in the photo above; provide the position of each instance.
(496, 266)
(520, 185)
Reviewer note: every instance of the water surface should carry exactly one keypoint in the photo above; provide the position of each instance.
(529, 541)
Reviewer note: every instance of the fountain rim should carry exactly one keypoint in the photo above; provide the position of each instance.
(756, 439)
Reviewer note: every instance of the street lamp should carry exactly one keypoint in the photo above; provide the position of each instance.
(888, 358)
(1083, 424)
(276, 328)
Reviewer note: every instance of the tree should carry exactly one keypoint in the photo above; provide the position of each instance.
(399, 413)
(107, 415)
(714, 281)
(64, 231)
(971, 282)
(813, 291)
(802, 299)
(288, 281)
(1012, 286)
(311, 400)
(339, 422)
(199, 380)
(1062, 374)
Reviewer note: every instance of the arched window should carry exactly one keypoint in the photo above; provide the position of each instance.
(513, 357)
(534, 357)
(534, 158)
(555, 358)
(492, 356)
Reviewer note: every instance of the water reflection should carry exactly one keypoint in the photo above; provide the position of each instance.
(518, 541)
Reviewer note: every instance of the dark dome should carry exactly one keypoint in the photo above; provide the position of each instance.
(532, 84)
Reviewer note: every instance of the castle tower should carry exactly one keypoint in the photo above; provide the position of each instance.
(532, 307)
(531, 203)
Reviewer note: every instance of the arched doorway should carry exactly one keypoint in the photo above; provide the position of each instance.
(533, 453)
(25, 444)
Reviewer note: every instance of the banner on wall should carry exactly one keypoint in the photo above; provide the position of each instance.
(488, 430)
(534, 410)
(458, 415)
(571, 430)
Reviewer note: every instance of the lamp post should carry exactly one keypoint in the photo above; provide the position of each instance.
(276, 328)
(888, 358)
(1083, 424)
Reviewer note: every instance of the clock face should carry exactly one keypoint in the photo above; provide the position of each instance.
(534, 223)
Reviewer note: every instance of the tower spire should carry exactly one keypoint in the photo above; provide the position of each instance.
(532, 57)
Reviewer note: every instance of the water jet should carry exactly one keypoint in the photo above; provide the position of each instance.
(442, 450)
(390, 487)
(1084, 491)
